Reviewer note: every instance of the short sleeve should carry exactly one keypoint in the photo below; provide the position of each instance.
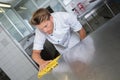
(73, 22)
(39, 40)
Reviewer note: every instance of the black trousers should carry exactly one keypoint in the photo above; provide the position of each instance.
(49, 52)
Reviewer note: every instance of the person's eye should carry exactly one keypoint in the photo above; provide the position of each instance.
(45, 25)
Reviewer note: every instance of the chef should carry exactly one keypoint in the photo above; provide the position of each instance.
(64, 31)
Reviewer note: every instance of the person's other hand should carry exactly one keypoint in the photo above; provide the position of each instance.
(44, 64)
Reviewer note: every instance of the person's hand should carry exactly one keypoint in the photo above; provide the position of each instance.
(44, 64)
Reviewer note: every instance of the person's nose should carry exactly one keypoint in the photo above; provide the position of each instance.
(45, 30)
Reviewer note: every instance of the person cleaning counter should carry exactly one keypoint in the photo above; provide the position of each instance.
(66, 33)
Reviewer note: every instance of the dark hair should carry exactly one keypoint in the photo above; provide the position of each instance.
(39, 16)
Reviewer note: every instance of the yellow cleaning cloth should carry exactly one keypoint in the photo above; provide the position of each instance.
(49, 67)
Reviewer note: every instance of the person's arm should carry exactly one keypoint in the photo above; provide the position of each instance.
(82, 33)
(75, 25)
(37, 58)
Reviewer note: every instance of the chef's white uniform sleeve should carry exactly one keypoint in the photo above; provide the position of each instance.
(39, 40)
(72, 20)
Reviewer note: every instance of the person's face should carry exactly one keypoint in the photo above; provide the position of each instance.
(46, 26)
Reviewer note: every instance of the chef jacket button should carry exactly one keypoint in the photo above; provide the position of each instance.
(51, 34)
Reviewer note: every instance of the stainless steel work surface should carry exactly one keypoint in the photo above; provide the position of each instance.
(106, 60)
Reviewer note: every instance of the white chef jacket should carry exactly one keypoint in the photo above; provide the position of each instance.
(64, 33)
